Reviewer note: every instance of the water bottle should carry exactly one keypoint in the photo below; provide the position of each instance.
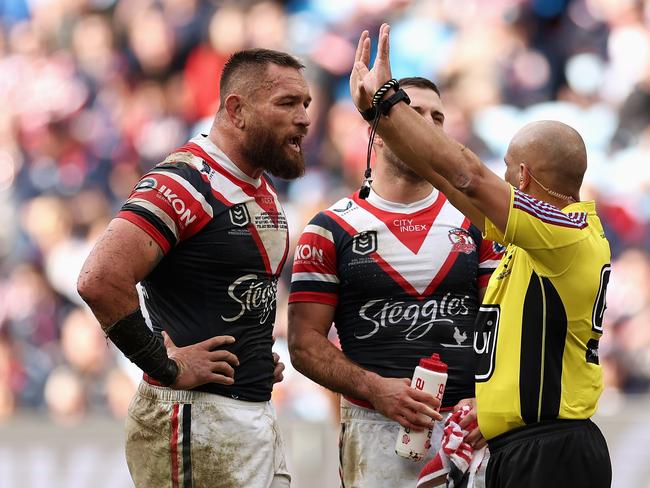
(429, 376)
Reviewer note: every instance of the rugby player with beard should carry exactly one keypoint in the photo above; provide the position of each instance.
(401, 274)
(204, 234)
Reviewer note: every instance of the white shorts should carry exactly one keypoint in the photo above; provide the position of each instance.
(367, 450)
(191, 439)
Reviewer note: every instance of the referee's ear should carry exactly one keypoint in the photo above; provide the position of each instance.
(524, 177)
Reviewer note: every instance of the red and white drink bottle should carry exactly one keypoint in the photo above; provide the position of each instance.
(429, 376)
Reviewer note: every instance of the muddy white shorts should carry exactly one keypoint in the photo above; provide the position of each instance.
(367, 450)
(191, 439)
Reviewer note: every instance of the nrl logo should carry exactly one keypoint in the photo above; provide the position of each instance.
(365, 243)
(239, 215)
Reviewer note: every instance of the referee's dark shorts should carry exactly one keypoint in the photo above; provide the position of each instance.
(556, 454)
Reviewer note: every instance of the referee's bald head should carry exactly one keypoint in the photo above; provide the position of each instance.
(554, 151)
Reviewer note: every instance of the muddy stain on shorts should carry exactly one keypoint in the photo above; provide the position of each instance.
(354, 462)
(147, 453)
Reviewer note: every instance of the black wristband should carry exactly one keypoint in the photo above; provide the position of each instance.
(136, 340)
(379, 94)
(399, 96)
(369, 114)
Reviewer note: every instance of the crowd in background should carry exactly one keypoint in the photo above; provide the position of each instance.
(95, 92)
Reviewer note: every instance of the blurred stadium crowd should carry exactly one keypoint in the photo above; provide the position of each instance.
(94, 92)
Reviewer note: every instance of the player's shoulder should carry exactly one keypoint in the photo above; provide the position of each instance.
(327, 222)
(184, 163)
(183, 167)
(342, 206)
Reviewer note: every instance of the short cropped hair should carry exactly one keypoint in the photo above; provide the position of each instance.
(248, 66)
(419, 82)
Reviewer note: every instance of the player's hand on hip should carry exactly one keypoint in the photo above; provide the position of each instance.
(469, 423)
(394, 398)
(364, 82)
(202, 363)
(279, 368)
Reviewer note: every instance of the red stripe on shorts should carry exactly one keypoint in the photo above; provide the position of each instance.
(173, 445)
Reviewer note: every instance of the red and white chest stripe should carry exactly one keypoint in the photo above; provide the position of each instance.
(419, 273)
(261, 203)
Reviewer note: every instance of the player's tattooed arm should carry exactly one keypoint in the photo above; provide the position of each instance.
(122, 257)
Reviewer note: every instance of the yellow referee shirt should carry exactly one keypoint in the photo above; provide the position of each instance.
(538, 328)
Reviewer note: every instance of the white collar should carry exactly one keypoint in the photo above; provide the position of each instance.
(220, 157)
(406, 208)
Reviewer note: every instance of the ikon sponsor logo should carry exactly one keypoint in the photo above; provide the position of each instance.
(416, 318)
(307, 252)
(179, 206)
(461, 241)
(253, 295)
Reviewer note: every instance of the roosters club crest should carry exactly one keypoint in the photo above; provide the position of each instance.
(461, 241)
(239, 215)
(365, 243)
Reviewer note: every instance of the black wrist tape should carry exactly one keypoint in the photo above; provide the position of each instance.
(136, 340)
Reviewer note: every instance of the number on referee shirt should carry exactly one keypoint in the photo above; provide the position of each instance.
(601, 300)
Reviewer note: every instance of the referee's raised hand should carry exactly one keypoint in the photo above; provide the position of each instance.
(202, 363)
(364, 82)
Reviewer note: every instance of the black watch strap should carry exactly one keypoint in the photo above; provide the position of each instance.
(369, 114)
(399, 96)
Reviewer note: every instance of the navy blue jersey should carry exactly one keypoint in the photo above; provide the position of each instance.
(225, 241)
(404, 280)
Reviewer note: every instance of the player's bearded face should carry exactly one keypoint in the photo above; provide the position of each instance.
(265, 148)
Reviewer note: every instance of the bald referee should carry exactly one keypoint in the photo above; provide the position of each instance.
(538, 376)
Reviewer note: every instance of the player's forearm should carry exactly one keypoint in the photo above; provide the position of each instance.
(318, 359)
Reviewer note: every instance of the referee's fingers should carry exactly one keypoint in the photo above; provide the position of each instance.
(475, 439)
